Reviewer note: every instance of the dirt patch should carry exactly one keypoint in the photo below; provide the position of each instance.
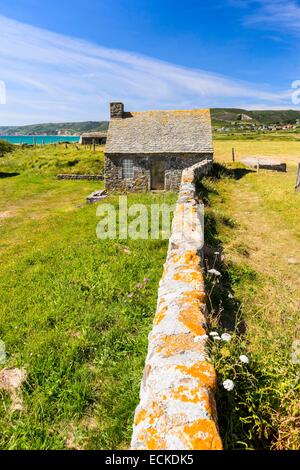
(11, 381)
(6, 214)
(71, 440)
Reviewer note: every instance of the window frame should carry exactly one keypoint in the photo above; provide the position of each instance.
(127, 169)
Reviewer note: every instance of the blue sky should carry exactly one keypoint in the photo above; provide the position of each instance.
(65, 60)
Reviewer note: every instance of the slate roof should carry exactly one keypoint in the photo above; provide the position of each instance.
(184, 131)
(94, 134)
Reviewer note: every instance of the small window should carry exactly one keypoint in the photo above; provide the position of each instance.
(127, 169)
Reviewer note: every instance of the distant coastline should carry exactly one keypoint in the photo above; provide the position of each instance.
(59, 129)
(39, 139)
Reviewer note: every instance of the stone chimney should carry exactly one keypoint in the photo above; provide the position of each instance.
(116, 110)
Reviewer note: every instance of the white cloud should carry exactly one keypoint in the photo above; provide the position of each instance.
(262, 106)
(280, 15)
(52, 77)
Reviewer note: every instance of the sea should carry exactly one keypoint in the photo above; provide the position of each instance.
(39, 139)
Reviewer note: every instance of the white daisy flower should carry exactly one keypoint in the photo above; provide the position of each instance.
(226, 337)
(244, 359)
(216, 338)
(228, 385)
(214, 272)
(214, 333)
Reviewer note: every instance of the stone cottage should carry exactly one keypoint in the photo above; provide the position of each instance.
(90, 138)
(148, 150)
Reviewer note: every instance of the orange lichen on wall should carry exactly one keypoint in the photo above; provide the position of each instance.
(193, 395)
(191, 277)
(177, 344)
(193, 296)
(193, 319)
(177, 407)
(160, 315)
(152, 439)
(202, 435)
(191, 257)
(202, 370)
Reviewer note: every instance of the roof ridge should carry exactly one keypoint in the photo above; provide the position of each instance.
(194, 110)
(161, 131)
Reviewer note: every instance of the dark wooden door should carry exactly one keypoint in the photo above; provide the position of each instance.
(157, 174)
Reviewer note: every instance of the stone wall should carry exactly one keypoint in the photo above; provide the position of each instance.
(174, 165)
(80, 177)
(177, 406)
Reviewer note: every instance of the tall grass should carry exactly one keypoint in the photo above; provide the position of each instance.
(75, 312)
(53, 159)
(255, 230)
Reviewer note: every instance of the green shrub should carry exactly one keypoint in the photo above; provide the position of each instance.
(5, 147)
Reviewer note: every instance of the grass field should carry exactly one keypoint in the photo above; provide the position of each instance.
(75, 311)
(253, 221)
(250, 136)
(289, 152)
(50, 160)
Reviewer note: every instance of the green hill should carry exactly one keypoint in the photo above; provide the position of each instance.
(261, 117)
(219, 115)
(52, 128)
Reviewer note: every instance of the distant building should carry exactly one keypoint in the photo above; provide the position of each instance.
(148, 150)
(90, 138)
